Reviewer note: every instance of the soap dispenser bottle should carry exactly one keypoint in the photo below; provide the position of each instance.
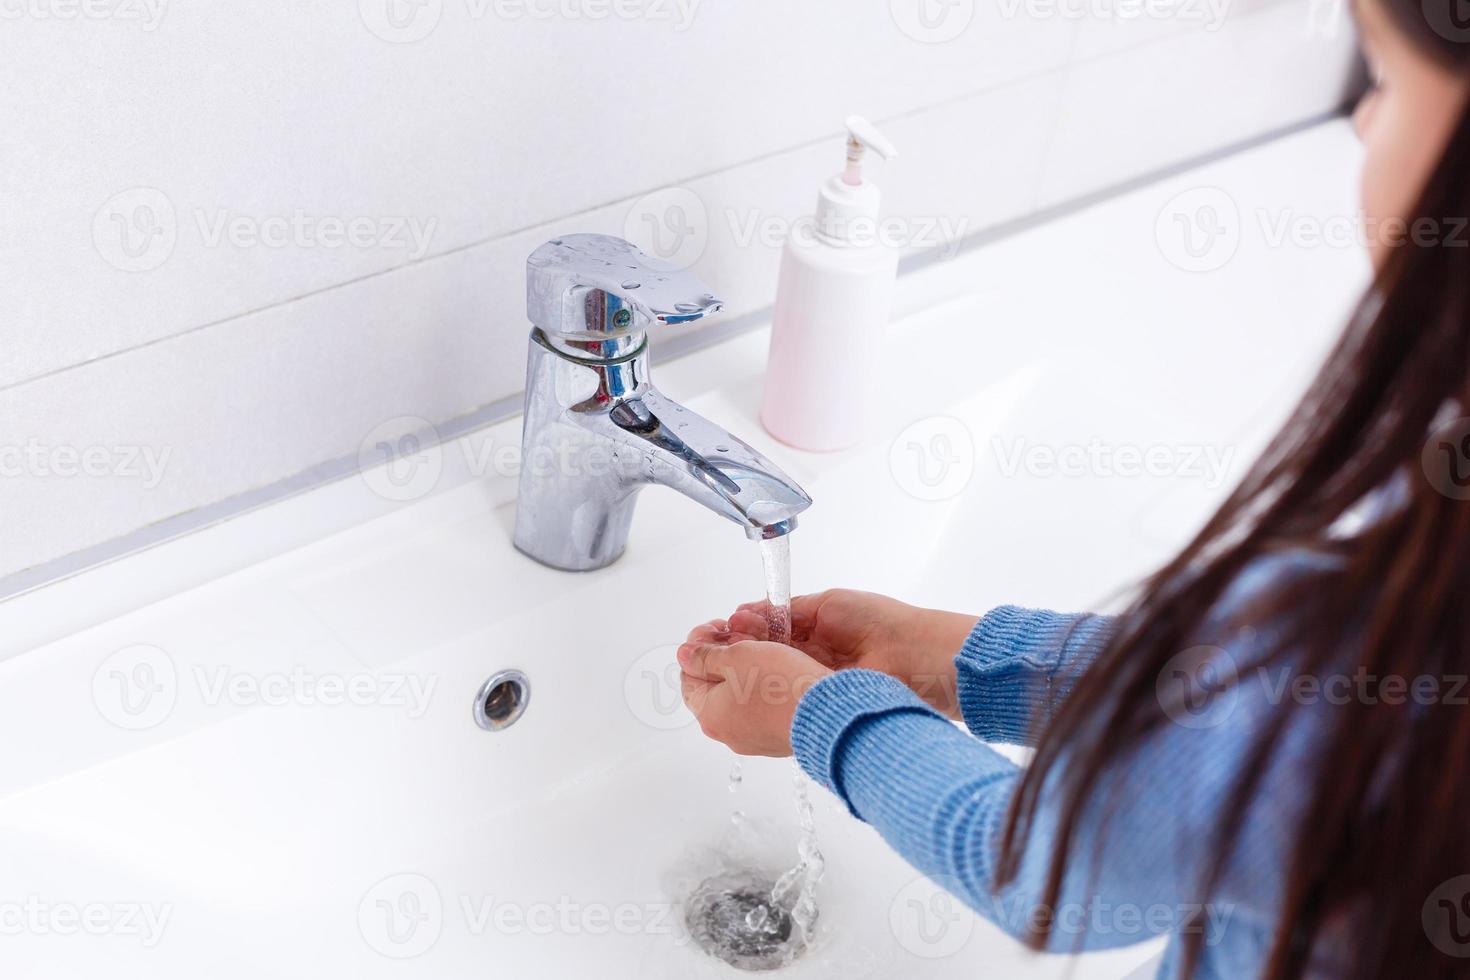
(832, 303)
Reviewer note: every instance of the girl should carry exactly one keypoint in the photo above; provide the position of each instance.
(1280, 836)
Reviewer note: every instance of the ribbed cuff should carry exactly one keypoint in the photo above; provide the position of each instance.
(1008, 676)
(829, 711)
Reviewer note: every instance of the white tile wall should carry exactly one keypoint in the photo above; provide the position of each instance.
(1198, 89)
(246, 362)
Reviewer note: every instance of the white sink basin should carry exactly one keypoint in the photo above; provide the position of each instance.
(278, 835)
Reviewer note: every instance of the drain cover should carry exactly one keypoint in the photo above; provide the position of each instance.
(733, 918)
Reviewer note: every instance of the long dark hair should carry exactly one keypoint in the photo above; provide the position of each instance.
(1388, 817)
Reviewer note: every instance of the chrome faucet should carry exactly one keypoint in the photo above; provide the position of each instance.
(596, 429)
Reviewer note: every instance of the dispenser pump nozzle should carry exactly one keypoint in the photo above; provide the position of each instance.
(847, 204)
(863, 135)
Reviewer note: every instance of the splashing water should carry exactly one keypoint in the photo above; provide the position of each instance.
(797, 888)
(752, 922)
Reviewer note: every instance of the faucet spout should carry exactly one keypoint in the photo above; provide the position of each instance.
(596, 429)
(689, 453)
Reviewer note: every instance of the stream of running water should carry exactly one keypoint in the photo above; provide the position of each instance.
(744, 919)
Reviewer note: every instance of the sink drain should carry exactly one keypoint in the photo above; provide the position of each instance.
(734, 918)
(502, 700)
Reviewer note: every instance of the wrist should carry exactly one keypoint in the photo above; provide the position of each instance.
(935, 637)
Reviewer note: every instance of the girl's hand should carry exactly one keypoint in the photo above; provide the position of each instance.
(842, 628)
(744, 690)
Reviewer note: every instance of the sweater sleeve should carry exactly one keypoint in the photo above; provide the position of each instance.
(1018, 665)
(940, 798)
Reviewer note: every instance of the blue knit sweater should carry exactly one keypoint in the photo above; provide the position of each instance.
(939, 796)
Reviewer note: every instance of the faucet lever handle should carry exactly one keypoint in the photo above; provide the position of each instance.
(599, 287)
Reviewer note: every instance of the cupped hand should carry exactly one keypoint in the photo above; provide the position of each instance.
(744, 690)
(843, 628)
